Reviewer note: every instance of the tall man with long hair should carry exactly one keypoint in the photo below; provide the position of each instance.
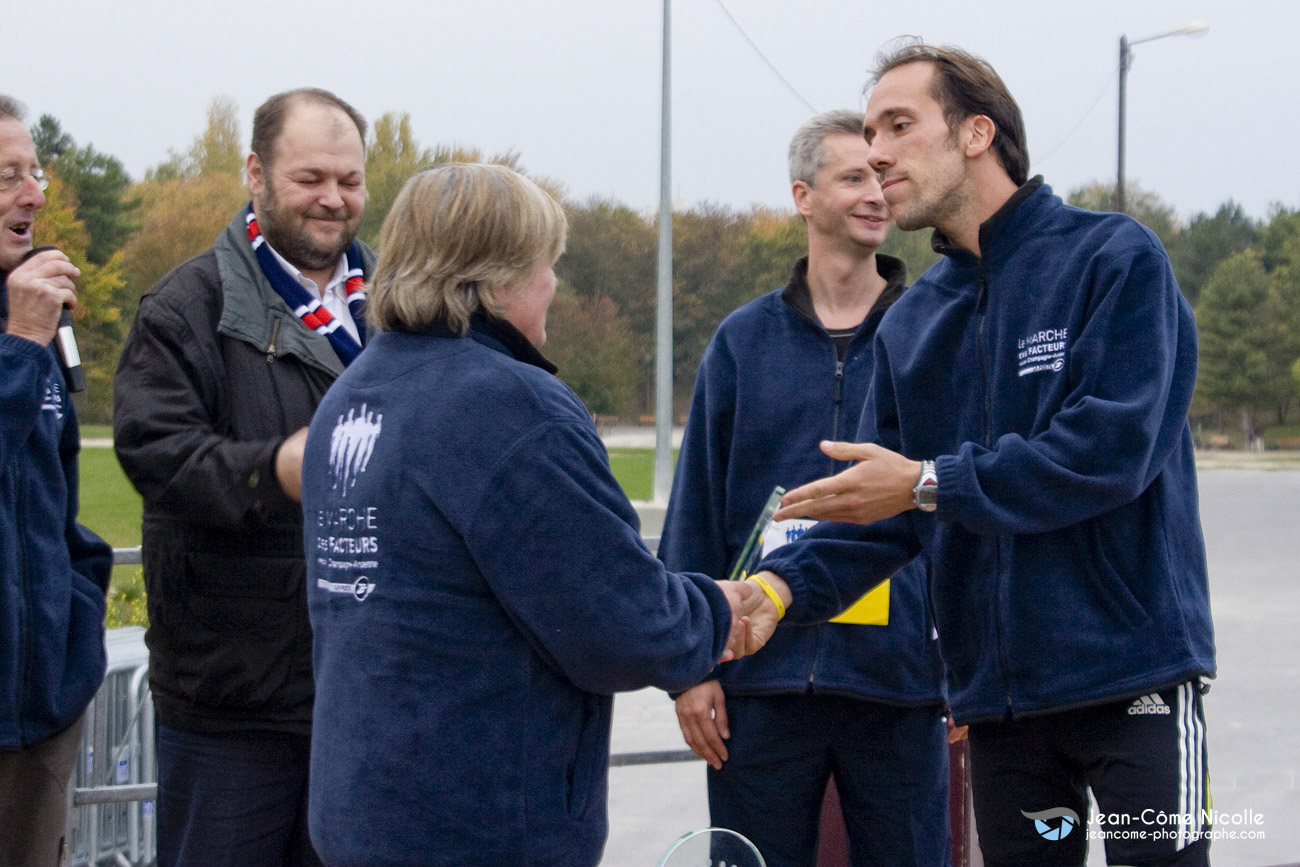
(1027, 429)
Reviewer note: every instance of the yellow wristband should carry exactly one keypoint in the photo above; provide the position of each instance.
(770, 592)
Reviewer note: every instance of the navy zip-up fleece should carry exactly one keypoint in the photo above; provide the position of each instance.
(770, 387)
(53, 571)
(1050, 381)
(478, 590)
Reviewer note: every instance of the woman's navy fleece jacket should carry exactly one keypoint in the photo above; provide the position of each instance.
(478, 590)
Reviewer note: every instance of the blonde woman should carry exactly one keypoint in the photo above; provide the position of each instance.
(478, 587)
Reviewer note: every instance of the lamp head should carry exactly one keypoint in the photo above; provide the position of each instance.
(1192, 28)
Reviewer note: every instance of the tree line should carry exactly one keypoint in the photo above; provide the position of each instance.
(1242, 276)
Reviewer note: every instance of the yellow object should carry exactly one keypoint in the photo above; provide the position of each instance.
(871, 610)
(770, 592)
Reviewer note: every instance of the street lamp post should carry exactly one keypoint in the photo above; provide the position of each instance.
(663, 465)
(1195, 28)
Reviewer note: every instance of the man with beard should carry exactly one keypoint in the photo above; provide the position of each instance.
(1026, 431)
(226, 362)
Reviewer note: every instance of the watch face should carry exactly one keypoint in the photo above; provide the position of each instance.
(926, 492)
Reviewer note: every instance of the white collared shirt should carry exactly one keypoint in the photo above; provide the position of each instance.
(333, 297)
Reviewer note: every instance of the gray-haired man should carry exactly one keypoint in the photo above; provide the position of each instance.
(859, 700)
(53, 571)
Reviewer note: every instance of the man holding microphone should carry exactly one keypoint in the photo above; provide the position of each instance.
(53, 572)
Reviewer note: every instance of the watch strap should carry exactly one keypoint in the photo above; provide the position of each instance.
(925, 493)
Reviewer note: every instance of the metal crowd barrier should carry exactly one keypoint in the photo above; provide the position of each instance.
(115, 781)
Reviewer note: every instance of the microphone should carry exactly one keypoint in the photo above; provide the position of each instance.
(69, 357)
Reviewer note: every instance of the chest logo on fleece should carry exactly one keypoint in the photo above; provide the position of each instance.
(1042, 350)
(52, 399)
(351, 445)
(358, 589)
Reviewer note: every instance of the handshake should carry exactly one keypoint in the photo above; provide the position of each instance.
(757, 604)
(879, 484)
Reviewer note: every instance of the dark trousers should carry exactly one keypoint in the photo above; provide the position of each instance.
(34, 800)
(233, 800)
(890, 766)
(1144, 759)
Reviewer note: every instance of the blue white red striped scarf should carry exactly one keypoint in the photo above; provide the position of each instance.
(307, 306)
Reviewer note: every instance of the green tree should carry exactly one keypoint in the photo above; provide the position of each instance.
(180, 218)
(186, 201)
(220, 149)
(1277, 238)
(50, 139)
(709, 281)
(774, 242)
(1285, 297)
(1239, 368)
(392, 156)
(1143, 205)
(611, 253)
(591, 343)
(1197, 251)
(913, 248)
(99, 182)
(216, 150)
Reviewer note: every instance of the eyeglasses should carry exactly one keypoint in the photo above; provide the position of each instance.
(11, 177)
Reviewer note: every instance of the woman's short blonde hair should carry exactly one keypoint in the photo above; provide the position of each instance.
(455, 234)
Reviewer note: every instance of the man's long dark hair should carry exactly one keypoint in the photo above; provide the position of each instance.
(966, 85)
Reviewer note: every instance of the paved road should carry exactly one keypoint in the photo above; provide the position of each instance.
(1252, 528)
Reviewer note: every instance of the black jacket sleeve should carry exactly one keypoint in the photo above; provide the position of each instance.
(171, 412)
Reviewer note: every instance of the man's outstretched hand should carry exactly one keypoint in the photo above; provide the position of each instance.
(878, 486)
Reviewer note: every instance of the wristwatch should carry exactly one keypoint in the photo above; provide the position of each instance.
(925, 494)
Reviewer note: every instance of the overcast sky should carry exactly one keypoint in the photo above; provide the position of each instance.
(574, 85)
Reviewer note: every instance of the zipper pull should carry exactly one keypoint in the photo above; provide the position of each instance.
(839, 380)
(275, 331)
